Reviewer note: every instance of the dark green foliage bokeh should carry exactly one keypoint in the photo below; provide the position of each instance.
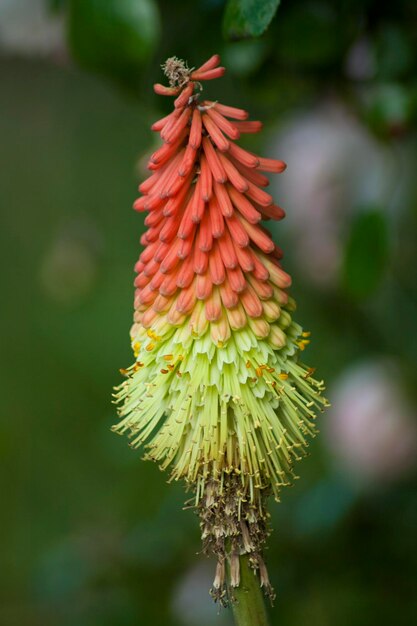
(248, 18)
(116, 37)
(92, 536)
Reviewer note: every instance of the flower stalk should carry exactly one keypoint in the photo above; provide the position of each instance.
(217, 393)
(248, 604)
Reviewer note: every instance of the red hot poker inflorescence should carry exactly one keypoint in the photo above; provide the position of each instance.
(217, 391)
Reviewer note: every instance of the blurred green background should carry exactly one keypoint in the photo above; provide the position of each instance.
(91, 536)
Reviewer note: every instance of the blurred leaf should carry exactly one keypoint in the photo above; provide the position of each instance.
(388, 108)
(114, 37)
(310, 35)
(394, 53)
(245, 57)
(248, 18)
(366, 253)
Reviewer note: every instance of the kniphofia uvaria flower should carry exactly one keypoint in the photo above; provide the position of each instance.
(217, 392)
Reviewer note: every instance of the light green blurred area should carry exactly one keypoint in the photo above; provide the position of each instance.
(92, 536)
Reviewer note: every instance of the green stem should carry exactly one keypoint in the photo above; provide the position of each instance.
(248, 605)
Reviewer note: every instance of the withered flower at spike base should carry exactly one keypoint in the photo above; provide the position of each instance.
(217, 393)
